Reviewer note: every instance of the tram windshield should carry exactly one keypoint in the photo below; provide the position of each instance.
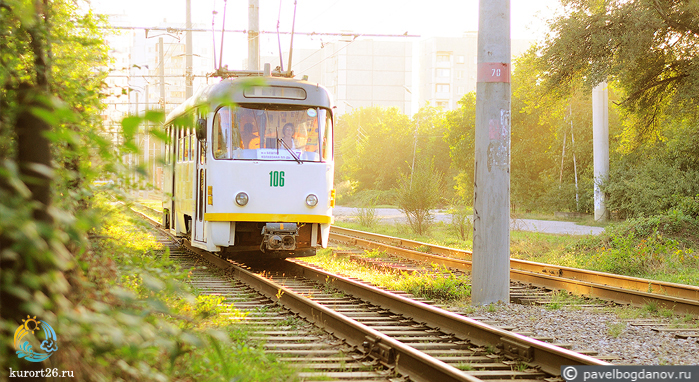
(291, 133)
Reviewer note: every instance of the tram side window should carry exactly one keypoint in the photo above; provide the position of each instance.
(188, 144)
(191, 146)
(224, 132)
(185, 141)
(328, 138)
(180, 142)
(167, 146)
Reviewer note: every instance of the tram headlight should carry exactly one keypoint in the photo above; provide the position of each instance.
(241, 199)
(311, 200)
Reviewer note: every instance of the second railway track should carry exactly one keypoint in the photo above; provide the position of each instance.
(365, 333)
(620, 289)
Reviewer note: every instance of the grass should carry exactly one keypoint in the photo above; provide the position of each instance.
(559, 299)
(147, 323)
(616, 329)
(664, 247)
(448, 288)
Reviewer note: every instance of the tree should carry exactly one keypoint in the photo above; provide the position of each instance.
(431, 145)
(48, 56)
(647, 47)
(544, 125)
(460, 133)
(417, 194)
(375, 146)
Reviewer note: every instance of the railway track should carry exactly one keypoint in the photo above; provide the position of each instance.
(620, 289)
(345, 329)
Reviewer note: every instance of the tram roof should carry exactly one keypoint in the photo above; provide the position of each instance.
(247, 90)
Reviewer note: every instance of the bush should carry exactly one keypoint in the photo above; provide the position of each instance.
(642, 246)
(650, 187)
(366, 198)
(367, 216)
(416, 196)
(461, 222)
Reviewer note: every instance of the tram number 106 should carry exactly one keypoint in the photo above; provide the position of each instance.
(276, 178)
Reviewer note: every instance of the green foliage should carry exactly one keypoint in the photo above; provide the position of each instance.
(146, 323)
(445, 286)
(656, 178)
(461, 222)
(460, 133)
(377, 145)
(48, 71)
(647, 47)
(644, 189)
(363, 198)
(367, 216)
(417, 194)
(663, 244)
(117, 302)
(374, 145)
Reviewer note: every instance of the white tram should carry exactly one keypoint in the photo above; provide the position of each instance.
(249, 168)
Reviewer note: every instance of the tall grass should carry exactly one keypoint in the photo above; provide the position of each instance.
(140, 320)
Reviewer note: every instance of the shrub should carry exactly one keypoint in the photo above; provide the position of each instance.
(418, 194)
(461, 222)
(650, 187)
(642, 246)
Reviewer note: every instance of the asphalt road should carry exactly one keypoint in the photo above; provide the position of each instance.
(390, 215)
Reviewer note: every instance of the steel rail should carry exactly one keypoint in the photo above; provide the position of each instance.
(621, 289)
(548, 357)
(406, 360)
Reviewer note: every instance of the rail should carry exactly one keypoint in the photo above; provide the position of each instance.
(621, 289)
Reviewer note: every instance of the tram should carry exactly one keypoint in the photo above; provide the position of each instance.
(249, 167)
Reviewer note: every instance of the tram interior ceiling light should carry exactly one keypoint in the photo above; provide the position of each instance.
(311, 200)
(241, 199)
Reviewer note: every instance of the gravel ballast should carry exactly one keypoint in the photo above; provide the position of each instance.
(598, 330)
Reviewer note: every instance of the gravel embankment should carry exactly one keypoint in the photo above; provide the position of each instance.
(589, 329)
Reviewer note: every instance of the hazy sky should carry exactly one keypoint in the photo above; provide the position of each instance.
(426, 18)
(423, 17)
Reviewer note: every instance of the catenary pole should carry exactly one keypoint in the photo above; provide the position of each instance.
(491, 209)
(188, 53)
(600, 146)
(161, 73)
(253, 34)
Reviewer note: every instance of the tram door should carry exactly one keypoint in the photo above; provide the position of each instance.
(200, 198)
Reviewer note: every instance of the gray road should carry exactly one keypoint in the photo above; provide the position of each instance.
(390, 215)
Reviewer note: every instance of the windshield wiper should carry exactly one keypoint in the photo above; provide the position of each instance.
(279, 140)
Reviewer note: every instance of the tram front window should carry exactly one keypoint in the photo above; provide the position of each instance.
(272, 134)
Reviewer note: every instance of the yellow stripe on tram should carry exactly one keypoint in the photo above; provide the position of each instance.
(295, 218)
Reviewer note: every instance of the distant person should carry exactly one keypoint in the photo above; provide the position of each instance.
(288, 135)
(251, 140)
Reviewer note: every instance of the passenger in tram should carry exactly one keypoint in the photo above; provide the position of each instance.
(288, 135)
(251, 139)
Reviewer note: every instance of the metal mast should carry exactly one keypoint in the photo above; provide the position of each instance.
(253, 34)
(188, 53)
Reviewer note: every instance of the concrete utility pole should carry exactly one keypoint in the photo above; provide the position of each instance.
(161, 70)
(145, 156)
(253, 34)
(600, 146)
(188, 53)
(491, 208)
(161, 60)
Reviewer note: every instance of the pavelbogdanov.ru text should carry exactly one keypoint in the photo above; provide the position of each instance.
(634, 376)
